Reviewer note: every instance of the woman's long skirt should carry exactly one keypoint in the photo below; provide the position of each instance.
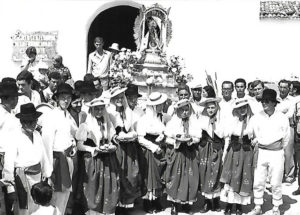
(102, 186)
(182, 174)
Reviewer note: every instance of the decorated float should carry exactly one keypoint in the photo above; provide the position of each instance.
(150, 67)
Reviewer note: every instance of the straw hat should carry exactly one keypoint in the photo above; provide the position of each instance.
(240, 102)
(182, 103)
(156, 98)
(116, 91)
(97, 102)
(194, 85)
(114, 47)
(208, 100)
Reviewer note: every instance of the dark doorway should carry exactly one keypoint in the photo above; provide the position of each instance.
(115, 25)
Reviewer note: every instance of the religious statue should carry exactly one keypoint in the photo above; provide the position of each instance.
(152, 33)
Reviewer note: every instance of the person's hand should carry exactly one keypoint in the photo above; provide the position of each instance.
(4, 182)
(254, 142)
(159, 138)
(121, 136)
(158, 151)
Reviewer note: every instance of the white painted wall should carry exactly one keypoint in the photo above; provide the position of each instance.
(222, 36)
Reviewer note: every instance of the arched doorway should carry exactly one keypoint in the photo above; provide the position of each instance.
(115, 25)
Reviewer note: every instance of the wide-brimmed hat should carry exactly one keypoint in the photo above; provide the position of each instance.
(157, 98)
(132, 90)
(97, 102)
(9, 89)
(194, 85)
(28, 112)
(208, 100)
(239, 102)
(63, 88)
(116, 91)
(87, 87)
(182, 103)
(114, 47)
(269, 94)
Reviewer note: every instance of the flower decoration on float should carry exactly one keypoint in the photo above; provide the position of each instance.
(122, 67)
(176, 67)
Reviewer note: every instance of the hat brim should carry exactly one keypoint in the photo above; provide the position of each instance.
(94, 104)
(208, 100)
(118, 92)
(113, 49)
(32, 116)
(162, 99)
(240, 105)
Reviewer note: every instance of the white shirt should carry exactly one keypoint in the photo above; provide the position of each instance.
(226, 108)
(256, 106)
(8, 123)
(24, 153)
(98, 65)
(35, 99)
(269, 129)
(58, 132)
(46, 210)
(286, 105)
(48, 94)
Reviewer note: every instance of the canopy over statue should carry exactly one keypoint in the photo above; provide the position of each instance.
(152, 33)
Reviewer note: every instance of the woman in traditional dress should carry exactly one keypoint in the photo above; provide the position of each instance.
(126, 137)
(95, 137)
(210, 154)
(150, 129)
(237, 173)
(25, 160)
(182, 173)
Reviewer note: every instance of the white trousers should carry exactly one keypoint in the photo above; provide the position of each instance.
(269, 163)
(60, 199)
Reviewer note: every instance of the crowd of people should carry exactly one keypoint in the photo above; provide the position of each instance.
(94, 147)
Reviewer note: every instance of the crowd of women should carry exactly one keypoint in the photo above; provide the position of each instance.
(76, 149)
(101, 152)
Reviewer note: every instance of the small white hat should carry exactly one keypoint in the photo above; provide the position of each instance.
(208, 100)
(182, 103)
(194, 85)
(116, 91)
(114, 47)
(239, 102)
(156, 98)
(97, 102)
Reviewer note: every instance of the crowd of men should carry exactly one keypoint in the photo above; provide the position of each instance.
(37, 90)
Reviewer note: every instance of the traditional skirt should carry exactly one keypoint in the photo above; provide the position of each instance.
(130, 177)
(210, 166)
(153, 171)
(25, 178)
(237, 173)
(102, 186)
(182, 174)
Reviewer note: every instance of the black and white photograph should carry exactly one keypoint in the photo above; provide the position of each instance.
(138, 107)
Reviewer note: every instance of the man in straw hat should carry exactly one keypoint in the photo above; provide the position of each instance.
(270, 132)
(58, 136)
